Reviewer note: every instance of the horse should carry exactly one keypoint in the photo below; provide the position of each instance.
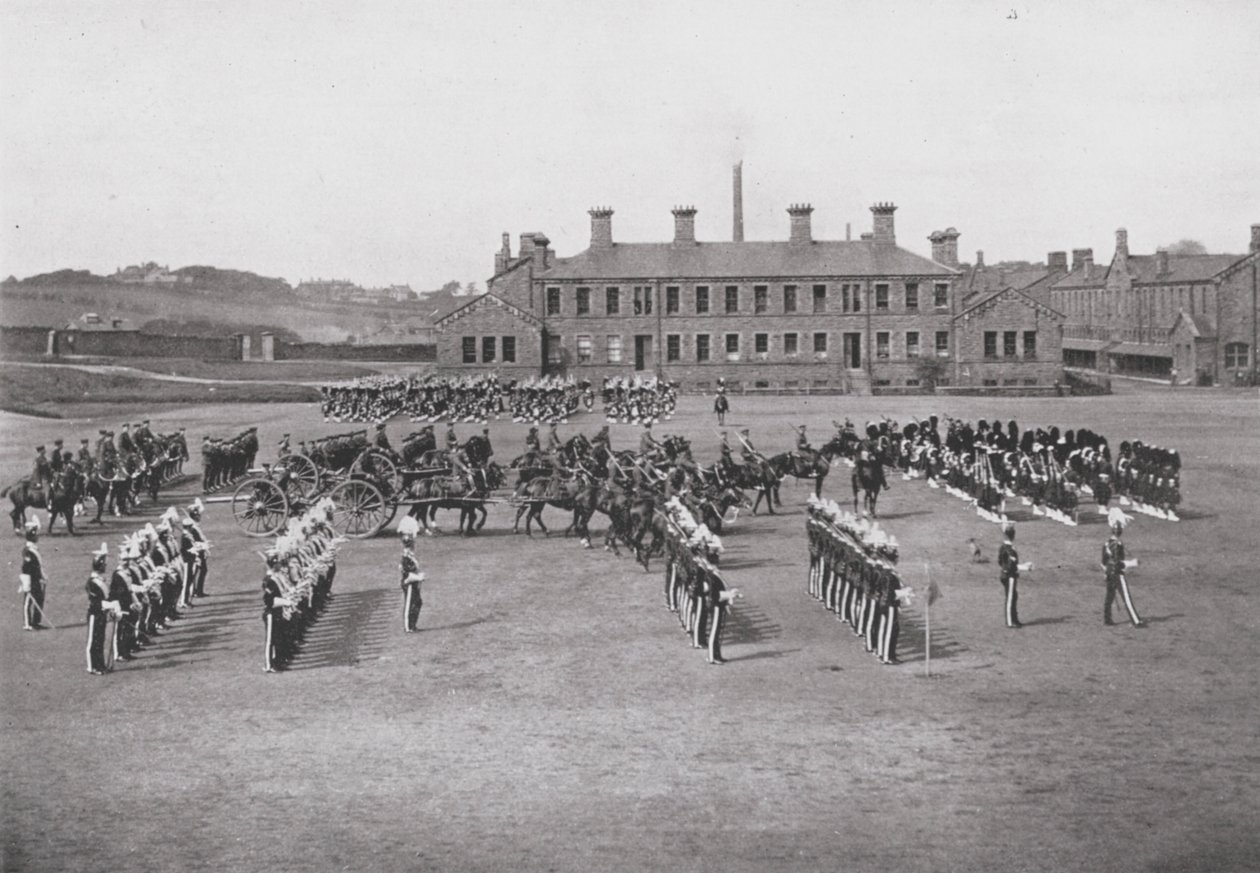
(58, 498)
(575, 495)
(754, 476)
(799, 466)
(868, 478)
(455, 492)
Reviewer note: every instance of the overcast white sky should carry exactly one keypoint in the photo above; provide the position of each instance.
(393, 142)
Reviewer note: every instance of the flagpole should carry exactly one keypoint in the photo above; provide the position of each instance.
(928, 643)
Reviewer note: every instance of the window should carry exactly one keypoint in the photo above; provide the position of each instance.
(820, 342)
(990, 383)
(553, 301)
(881, 297)
(732, 298)
(702, 300)
(912, 344)
(583, 349)
(614, 349)
(1008, 344)
(470, 350)
(1236, 355)
(555, 349)
(789, 344)
(990, 343)
(881, 344)
(820, 298)
(642, 299)
(1030, 344)
(1030, 382)
(912, 295)
(584, 301)
(671, 300)
(732, 347)
(702, 347)
(673, 347)
(942, 344)
(509, 350)
(761, 343)
(612, 301)
(789, 298)
(487, 349)
(912, 383)
(940, 295)
(761, 294)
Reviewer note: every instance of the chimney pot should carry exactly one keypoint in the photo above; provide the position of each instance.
(1161, 262)
(601, 227)
(540, 253)
(1255, 238)
(945, 246)
(800, 231)
(1057, 261)
(684, 224)
(979, 258)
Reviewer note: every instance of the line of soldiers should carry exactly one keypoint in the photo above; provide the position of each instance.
(158, 574)
(637, 399)
(852, 572)
(300, 567)
(467, 398)
(1148, 478)
(224, 461)
(694, 587)
(102, 458)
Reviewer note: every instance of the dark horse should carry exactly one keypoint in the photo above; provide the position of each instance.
(798, 466)
(454, 492)
(59, 498)
(868, 478)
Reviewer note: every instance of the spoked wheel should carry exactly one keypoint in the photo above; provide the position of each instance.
(303, 474)
(359, 509)
(378, 466)
(259, 507)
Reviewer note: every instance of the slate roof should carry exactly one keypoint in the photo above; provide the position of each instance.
(719, 260)
(1198, 324)
(1076, 279)
(1181, 268)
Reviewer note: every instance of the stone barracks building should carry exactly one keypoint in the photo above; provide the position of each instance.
(841, 315)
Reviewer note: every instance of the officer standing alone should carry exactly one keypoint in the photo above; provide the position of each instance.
(1010, 567)
(1114, 564)
(411, 577)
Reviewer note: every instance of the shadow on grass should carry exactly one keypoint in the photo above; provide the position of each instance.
(762, 655)
(1061, 619)
(350, 628)
(912, 639)
(749, 624)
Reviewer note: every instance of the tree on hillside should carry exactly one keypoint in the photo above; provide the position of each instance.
(1187, 247)
(470, 289)
(452, 287)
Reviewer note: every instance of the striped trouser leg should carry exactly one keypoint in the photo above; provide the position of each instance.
(406, 609)
(715, 634)
(91, 634)
(813, 574)
(267, 648)
(886, 653)
(1128, 601)
(1011, 595)
(28, 611)
(868, 614)
(842, 600)
(881, 628)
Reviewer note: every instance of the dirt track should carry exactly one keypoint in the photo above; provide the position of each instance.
(551, 715)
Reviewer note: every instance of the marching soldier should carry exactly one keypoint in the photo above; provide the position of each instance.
(1114, 564)
(409, 569)
(32, 585)
(1009, 566)
(98, 596)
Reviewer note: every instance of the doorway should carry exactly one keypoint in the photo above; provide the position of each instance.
(853, 350)
(643, 351)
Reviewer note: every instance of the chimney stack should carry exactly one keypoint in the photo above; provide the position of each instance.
(945, 246)
(737, 180)
(527, 245)
(541, 255)
(1122, 251)
(504, 255)
(800, 234)
(979, 259)
(1079, 256)
(1161, 262)
(1087, 265)
(1255, 238)
(1056, 262)
(848, 231)
(684, 224)
(885, 231)
(601, 227)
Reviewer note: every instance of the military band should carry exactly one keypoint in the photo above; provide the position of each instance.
(694, 586)
(465, 399)
(299, 570)
(638, 399)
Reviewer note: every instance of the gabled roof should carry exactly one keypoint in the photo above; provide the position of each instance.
(1198, 326)
(981, 307)
(483, 302)
(720, 260)
(1181, 268)
(1245, 261)
(1029, 278)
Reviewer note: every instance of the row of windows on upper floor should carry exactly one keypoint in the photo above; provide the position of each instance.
(1157, 302)
(704, 299)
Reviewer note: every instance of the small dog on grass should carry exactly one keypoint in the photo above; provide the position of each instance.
(977, 555)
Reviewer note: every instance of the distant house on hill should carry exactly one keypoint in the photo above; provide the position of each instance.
(328, 290)
(148, 273)
(92, 322)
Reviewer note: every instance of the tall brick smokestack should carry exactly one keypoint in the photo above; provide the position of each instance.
(737, 233)
(601, 227)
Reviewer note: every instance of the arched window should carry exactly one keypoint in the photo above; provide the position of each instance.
(1237, 355)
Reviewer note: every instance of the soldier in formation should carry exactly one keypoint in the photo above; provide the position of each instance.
(694, 586)
(300, 567)
(223, 462)
(638, 399)
(466, 398)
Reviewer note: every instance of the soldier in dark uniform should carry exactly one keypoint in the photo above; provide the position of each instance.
(1009, 567)
(273, 605)
(411, 577)
(803, 448)
(381, 440)
(1114, 564)
(452, 439)
(55, 462)
(97, 594)
(87, 463)
(124, 637)
(41, 475)
(32, 582)
(125, 444)
(716, 599)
